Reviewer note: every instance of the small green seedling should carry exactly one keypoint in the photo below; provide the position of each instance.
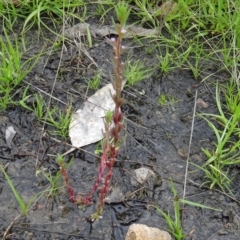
(25, 97)
(196, 56)
(225, 127)
(165, 62)
(136, 71)
(54, 180)
(164, 100)
(38, 104)
(57, 43)
(109, 116)
(175, 225)
(95, 82)
(60, 120)
(98, 148)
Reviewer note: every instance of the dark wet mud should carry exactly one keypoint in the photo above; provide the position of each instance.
(155, 137)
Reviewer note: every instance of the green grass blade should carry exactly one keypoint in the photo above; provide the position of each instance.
(194, 204)
(21, 203)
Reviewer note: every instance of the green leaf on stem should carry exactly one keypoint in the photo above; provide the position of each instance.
(122, 11)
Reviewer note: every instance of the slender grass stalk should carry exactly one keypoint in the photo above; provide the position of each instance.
(24, 207)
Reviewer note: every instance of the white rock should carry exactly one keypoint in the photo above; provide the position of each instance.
(142, 175)
(115, 196)
(10, 133)
(143, 232)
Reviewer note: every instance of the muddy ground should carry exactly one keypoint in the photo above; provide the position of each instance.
(155, 137)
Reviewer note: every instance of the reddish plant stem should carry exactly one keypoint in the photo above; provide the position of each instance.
(117, 118)
(104, 159)
(87, 200)
(66, 181)
(112, 131)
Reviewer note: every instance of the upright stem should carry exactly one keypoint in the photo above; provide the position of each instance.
(114, 132)
(113, 126)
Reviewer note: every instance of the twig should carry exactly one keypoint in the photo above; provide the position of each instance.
(189, 146)
(9, 227)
